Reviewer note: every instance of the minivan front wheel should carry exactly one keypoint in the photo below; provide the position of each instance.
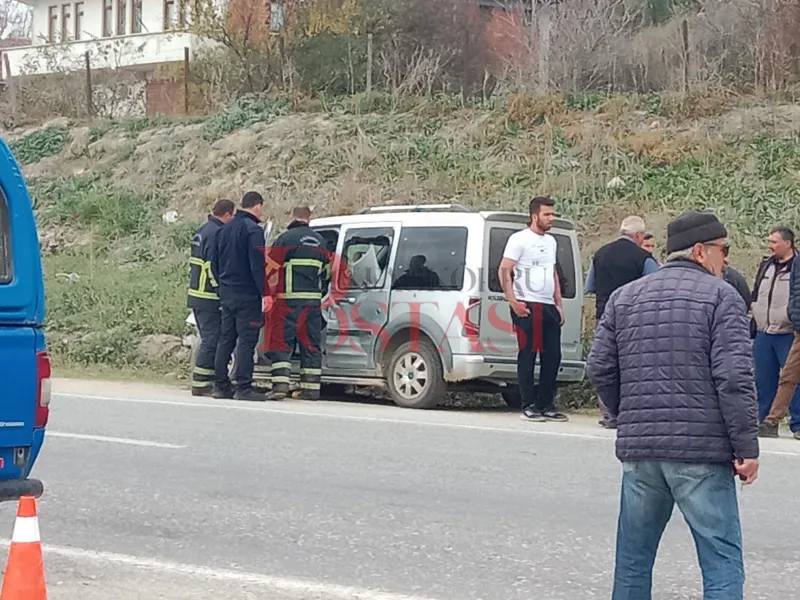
(415, 375)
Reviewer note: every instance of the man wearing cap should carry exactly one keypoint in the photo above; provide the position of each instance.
(672, 361)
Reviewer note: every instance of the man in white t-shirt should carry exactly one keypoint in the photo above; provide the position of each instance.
(530, 281)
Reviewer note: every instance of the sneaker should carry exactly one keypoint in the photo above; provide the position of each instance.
(222, 393)
(768, 430)
(250, 395)
(608, 424)
(529, 413)
(554, 415)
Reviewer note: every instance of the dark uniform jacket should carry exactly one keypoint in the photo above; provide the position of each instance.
(302, 262)
(202, 294)
(237, 258)
(616, 264)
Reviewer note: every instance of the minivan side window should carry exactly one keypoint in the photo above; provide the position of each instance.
(366, 253)
(431, 258)
(565, 260)
(6, 264)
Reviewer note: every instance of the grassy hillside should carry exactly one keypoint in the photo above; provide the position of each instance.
(116, 269)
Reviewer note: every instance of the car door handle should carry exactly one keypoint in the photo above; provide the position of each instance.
(349, 300)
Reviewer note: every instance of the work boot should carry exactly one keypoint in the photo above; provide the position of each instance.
(250, 395)
(222, 392)
(768, 430)
(202, 391)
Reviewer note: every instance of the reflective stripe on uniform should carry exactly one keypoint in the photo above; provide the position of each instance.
(203, 295)
(309, 371)
(281, 379)
(202, 371)
(202, 384)
(301, 296)
(280, 365)
(308, 385)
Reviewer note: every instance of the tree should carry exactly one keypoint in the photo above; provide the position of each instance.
(242, 28)
(15, 20)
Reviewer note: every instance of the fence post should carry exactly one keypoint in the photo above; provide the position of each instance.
(89, 100)
(685, 39)
(369, 63)
(543, 23)
(11, 85)
(186, 80)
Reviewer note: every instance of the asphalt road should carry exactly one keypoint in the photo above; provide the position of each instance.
(152, 495)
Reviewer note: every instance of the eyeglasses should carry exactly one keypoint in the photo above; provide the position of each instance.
(726, 247)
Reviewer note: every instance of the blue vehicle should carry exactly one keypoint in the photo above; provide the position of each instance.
(24, 361)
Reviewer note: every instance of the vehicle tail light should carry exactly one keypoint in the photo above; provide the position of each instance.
(472, 320)
(43, 373)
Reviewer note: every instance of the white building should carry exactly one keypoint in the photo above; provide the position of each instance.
(115, 33)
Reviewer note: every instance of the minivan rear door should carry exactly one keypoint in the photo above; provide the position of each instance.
(21, 285)
(497, 333)
(21, 314)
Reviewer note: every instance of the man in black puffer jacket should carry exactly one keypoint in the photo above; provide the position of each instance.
(672, 360)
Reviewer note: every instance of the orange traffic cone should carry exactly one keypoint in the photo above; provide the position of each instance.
(24, 577)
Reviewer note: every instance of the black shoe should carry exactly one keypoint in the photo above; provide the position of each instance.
(608, 424)
(554, 415)
(768, 430)
(529, 413)
(250, 395)
(222, 393)
(204, 391)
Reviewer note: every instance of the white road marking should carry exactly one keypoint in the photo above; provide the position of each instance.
(298, 587)
(268, 409)
(305, 413)
(113, 440)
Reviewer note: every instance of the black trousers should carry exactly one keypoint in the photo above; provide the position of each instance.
(208, 323)
(241, 322)
(539, 333)
(296, 322)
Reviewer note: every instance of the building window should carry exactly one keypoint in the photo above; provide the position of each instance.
(122, 11)
(276, 16)
(52, 24)
(170, 14)
(78, 20)
(66, 22)
(108, 8)
(136, 17)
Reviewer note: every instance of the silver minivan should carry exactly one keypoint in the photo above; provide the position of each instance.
(421, 311)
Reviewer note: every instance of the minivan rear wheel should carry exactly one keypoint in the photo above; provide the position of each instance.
(415, 376)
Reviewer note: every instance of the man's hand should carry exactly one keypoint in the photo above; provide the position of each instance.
(747, 470)
(520, 308)
(560, 314)
(328, 301)
(267, 303)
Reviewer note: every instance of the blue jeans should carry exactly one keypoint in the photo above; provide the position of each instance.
(769, 352)
(706, 495)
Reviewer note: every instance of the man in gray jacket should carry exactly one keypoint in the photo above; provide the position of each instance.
(672, 361)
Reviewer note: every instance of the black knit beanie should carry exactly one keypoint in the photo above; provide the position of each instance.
(693, 227)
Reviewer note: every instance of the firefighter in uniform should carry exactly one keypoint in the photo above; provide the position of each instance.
(303, 267)
(203, 299)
